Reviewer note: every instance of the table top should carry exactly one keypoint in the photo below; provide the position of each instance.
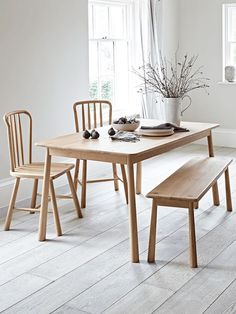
(104, 145)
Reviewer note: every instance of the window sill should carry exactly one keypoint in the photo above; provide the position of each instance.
(226, 83)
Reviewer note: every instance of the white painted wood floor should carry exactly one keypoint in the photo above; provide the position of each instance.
(88, 269)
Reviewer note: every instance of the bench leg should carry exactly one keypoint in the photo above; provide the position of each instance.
(228, 191)
(215, 191)
(152, 234)
(192, 237)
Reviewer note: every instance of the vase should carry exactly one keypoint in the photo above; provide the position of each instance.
(173, 109)
(230, 72)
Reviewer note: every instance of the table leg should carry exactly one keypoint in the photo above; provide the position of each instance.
(215, 190)
(132, 214)
(139, 178)
(44, 201)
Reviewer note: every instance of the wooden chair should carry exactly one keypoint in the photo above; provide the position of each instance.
(185, 188)
(20, 149)
(91, 114)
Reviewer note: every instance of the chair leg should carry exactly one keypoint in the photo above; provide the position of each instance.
(116, 183)
(34, 195)
(124, 178)
(55, 209)
(74, 195)
(84, 184)
(152, 234)
(76, 174)
(12, 205)
(192, 237)
(228, 191)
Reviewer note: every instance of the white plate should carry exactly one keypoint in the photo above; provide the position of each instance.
(156, 133)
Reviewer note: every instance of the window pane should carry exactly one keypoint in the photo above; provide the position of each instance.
(100, 21)
(93, 59)
(93, 69)
(233, 54)
(106, 63)
(232, 24)
(116, 22)
(109, 64)
(93, 89)
(121, 74)
(107, 88)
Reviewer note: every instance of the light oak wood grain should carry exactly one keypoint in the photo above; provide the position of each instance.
(185, 188)
(91, 114)
(106, 150)
(192, 180)
(23, 167)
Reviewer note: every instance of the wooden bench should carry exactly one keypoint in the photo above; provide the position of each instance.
(185, 188)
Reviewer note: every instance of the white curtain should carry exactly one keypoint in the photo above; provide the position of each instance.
(147, 26)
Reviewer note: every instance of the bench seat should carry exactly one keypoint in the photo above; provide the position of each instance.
(185, 188)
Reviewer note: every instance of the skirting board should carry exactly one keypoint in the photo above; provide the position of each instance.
(222, 137)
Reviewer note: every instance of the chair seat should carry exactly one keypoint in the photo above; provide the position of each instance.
(36, 170)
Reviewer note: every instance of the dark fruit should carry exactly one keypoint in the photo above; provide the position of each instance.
(86, 134)
(111, 132)
(122, 120)
(94, 134)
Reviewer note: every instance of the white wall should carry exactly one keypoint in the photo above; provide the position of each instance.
(170, 27)
(201, 33)
(43, 64)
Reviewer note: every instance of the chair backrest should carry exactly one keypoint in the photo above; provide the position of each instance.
(90, 114)
(18, 123)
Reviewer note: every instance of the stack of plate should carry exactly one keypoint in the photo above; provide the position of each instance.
(156, 132)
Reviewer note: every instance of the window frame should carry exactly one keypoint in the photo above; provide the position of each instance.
(127, 5)
(226, 41)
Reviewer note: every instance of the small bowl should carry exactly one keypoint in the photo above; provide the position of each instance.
(130, 127)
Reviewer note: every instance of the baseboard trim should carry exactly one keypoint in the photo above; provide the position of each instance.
(222, 137)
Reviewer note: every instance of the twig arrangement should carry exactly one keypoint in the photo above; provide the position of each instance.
(172, 80)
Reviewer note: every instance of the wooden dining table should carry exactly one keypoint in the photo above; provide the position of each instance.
(107, 150)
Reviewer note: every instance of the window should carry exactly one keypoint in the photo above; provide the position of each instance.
(109, 51)
(229, 34)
